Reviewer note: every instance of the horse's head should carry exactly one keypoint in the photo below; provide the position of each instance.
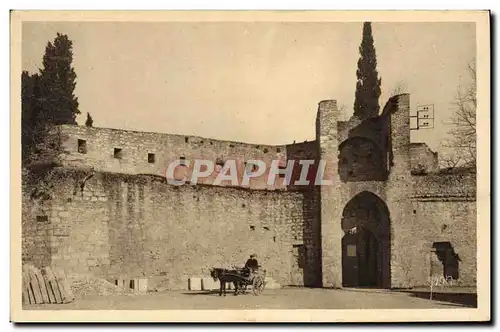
(214, 273)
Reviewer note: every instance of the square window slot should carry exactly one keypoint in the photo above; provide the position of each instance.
(82, 146)
(118, 153)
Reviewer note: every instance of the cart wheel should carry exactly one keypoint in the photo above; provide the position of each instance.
(258, 285)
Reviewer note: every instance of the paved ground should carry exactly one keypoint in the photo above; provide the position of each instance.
(287, 298)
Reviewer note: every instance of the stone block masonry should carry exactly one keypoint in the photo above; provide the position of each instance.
(133, 152)
(111, 212)
(122, 226)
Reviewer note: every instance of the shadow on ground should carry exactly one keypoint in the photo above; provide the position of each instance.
(207, 292)
(466, 299)
(213, 292)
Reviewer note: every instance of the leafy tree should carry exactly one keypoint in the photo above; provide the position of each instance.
(89, 122)
(48, 98)
(33, 121)
(58, 80)
(368, 83)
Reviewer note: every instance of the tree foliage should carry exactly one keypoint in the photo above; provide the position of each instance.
(368, 83)
(48, 98)
(31, 116)
(89, 122)
(58, 81)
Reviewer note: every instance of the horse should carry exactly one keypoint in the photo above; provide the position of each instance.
(224, 276)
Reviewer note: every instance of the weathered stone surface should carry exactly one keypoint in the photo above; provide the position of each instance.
(115, 221)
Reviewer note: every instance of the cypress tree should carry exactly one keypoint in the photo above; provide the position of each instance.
(89, 122)
(368, 84)
(58, 80)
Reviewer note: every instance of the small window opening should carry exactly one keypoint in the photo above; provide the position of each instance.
(118, 153)
(151, 158)
(449, 259)
(186, 139)
(300, 255)
(266, 150)
(42, 218)
(82, 146)
(278, 150)
(252, 228)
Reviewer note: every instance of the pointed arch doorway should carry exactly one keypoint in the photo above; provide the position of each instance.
(366, 242)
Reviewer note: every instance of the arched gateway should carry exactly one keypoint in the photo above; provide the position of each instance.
(366, 242)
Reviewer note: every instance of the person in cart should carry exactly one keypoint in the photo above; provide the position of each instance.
(251, 265)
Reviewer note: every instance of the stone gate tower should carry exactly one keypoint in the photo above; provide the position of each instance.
(330, 212)
(365, 208)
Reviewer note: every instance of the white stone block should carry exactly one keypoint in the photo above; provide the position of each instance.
(194, 283)
(142, 285)
(209, 284)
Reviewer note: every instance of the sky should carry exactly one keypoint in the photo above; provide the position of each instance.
(254, 82)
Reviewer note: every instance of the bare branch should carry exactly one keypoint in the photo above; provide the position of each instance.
(463, 134)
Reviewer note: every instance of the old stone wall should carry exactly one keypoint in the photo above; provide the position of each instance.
(120, 225)
(459, 183)
(70, 227)
(423, 160)
(330, 199)
(123, 220)
(419, 207)
(298, 152)
(444, 210)
(132, 152)
(440, 220)
(36, 232)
